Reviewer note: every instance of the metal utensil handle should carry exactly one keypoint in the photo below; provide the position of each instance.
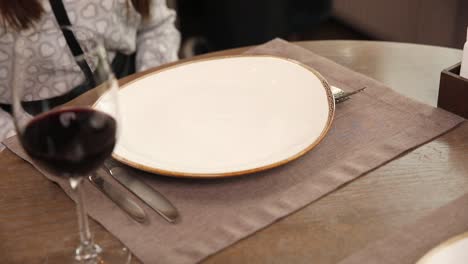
(146, 193)
(123, 201)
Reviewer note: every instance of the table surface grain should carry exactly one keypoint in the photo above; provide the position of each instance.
(38, 219)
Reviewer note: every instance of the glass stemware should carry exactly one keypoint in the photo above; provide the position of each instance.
(65, 109)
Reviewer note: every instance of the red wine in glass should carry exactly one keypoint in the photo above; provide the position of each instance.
(71, 141)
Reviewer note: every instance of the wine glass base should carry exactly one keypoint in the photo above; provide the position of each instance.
(121, 256)
(87, 252)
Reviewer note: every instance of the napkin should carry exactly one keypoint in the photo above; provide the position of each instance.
(369, 130)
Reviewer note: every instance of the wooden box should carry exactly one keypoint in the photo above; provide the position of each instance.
(453, 91)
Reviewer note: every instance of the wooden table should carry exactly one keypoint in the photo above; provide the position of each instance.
(36, 218)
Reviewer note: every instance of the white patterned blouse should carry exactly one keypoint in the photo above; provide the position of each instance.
(121, 28)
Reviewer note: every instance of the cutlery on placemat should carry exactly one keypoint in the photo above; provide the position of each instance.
(122, 200)
(341, 96)
(146, 193)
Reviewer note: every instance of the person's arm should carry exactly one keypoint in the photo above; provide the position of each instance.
(7, 128)
(158, 40)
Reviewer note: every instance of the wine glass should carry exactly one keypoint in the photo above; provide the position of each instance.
(64, 104)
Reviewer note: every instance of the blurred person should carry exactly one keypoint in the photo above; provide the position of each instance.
(137, 35)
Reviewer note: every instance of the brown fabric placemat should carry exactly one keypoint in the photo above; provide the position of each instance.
(413, 241)
(372, 128)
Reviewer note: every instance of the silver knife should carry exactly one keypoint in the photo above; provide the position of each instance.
(146, 193)
(123, 201)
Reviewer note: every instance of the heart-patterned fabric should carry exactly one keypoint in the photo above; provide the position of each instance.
(118, 26)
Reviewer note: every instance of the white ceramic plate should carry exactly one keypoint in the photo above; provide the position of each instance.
(452, 251)
(223, 117)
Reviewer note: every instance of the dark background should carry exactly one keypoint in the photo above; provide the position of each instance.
(211, 25)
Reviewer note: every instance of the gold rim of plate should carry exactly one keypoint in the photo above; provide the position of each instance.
(180, 174)
(442, 246)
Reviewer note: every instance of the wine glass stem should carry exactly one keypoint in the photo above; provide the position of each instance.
(87, 250)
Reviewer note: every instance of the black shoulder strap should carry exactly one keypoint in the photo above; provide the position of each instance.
(60, 13)
(62, 18)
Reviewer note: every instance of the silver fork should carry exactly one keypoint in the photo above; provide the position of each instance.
(341, 96)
